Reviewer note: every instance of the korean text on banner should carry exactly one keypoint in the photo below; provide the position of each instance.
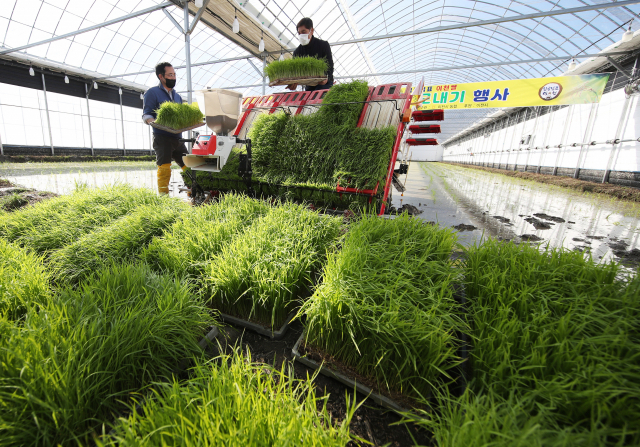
(560, 90)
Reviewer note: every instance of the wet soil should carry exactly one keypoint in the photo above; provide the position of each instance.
(502, 219)
(410, 209)
(464, 227)
(531, 238)
(14, 197)
(629, 258)
(370, 422)
(538, 224)
(551, 218)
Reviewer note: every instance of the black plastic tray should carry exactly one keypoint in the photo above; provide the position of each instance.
(262, 330)
(351, 383)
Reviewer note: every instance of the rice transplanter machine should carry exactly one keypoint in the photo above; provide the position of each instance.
(230, 117)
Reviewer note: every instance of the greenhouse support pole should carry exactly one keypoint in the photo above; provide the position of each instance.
(124, 147)
(150, 142)
(1, 148)
(563, 140)
(533, 138)
(46, 106)
(588, 132)
(524, 124)
(546, 138)
(187, 50)
(86, 90)
(264, 76)
(615, 143)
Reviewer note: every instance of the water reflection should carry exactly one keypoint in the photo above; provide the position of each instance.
(510, 208)
(62, 178)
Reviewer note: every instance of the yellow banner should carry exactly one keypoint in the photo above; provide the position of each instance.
(560, 90)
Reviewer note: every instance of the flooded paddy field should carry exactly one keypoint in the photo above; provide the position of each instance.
(62, 178)
(480, 204)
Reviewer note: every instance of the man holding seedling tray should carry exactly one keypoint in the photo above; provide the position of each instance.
(167, 145)
(314, 47)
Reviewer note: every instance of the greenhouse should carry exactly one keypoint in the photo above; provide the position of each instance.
(320, 223)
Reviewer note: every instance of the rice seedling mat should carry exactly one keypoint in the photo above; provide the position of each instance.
(300, 81)
(336, 372)
(259, 328)
(175, 131)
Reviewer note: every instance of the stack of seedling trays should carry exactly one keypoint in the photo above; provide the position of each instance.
(176, 118)
(301, 71)
(305, 157)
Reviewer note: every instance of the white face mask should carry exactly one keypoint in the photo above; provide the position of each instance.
(304, 39)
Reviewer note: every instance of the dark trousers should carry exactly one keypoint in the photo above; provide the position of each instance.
(167, 148)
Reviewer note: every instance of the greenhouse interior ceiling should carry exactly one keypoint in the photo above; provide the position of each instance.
(118, 43)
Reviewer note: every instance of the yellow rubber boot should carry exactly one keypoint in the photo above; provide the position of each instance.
(164, 176)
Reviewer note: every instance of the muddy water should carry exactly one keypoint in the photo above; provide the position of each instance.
(482, 204)
(62, 178)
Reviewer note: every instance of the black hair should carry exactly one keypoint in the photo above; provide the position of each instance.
(160, 68)
(306, 22)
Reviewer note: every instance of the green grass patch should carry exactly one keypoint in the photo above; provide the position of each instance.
(66, 371)
(266, 272)
(385, 306)
(24, 282)
(233, 402)
(54, 223)
(298, 67)
(121, 241)
(178, 116)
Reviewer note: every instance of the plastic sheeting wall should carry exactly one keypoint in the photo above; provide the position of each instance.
(428, 153)
(566, 126)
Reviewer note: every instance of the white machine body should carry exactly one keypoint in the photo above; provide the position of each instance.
(222, 110)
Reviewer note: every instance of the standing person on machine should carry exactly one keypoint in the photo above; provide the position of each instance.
(166, 145)
(314, 47)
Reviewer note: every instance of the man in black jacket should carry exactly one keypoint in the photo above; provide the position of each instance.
(312, 46)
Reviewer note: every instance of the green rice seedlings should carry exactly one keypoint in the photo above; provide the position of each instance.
(121, 241)
(67, 370)
(560, 329)
(187, 247)
(179, 115)
(232, 402)
(24, 282)
(266, 272)
(385, 306)
(491, 420)
(297, 67)
(322, 147)
(51, 224)
(335, 110)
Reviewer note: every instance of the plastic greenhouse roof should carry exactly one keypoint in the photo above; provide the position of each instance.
(139, 43)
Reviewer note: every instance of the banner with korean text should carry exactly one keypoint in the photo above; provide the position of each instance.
(560, 90)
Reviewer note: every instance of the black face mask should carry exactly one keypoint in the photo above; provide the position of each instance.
(170, 82)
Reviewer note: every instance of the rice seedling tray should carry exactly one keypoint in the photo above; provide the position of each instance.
(300, 81)
(258, 328)
(175, 131)
(378, 398)
(211, 335)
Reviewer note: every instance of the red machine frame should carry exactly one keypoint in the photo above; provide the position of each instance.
(298, 100)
